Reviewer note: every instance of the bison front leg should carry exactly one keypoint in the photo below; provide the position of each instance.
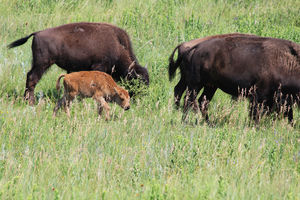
(284, 104)
(103, 104)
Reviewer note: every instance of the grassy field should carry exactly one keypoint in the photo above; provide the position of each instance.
(146, 152)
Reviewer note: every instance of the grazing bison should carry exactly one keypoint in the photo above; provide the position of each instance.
(82, 47)
(98, 85)
(182, 50)
(266, 70)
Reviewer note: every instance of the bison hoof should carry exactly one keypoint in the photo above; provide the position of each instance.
(30, 100)
(29, 96)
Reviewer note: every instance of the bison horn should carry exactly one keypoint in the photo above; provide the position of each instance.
(136, 73)
(113, 70)
(146, 66)
(131, 66)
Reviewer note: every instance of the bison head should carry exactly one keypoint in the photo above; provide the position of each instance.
(136, 71)
(122, 98)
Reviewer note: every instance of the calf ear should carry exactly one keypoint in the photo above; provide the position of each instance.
(116, 90)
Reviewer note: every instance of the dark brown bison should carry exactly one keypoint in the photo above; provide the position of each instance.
(182, 50)
(266, 70)
(82, 47)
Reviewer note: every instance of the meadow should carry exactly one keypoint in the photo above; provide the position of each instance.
(147, 152)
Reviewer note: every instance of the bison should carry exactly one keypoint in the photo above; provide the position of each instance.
(264, 69)
(82, 47)
(182, 50)
(98, 85)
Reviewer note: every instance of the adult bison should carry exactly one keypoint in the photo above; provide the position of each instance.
(182, 54)
(266, 70)
(82, 47)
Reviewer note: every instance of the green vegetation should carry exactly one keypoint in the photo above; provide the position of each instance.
(146, 152)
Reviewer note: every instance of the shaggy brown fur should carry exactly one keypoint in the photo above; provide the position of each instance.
(97, 85)
(82, 47)
(267, 70)
(182, 49)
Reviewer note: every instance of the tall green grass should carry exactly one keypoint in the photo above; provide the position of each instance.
(146, 152)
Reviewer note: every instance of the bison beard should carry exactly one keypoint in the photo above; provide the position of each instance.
(267, 70)
(82, 47)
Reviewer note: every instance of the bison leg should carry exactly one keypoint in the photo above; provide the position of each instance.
(289, 113)
(190, 100)
(58, 105)
(258, 107)
(178, 91)
(254, 111)
(100, 109)
(33, 77)
(289, 109)
(204, 100)
(103, 104)
(69, 97)
(284, 105)
(66, 102)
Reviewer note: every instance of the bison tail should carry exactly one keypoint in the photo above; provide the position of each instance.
(58, 82)
(174, 65)
(20, 41)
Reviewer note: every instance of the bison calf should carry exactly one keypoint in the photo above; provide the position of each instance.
(98, 85)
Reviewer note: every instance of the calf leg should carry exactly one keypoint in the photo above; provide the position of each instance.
(58, 105)
(100, 109)
(68, 102)
(102, 104)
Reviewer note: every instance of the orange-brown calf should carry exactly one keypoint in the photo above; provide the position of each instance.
(95, 84)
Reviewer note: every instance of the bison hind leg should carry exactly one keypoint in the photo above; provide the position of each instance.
(58, 105)
(67, 103)
(39, 66)
(178, 91)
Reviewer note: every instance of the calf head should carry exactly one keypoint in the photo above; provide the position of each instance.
(136, 71)
(122, 98)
